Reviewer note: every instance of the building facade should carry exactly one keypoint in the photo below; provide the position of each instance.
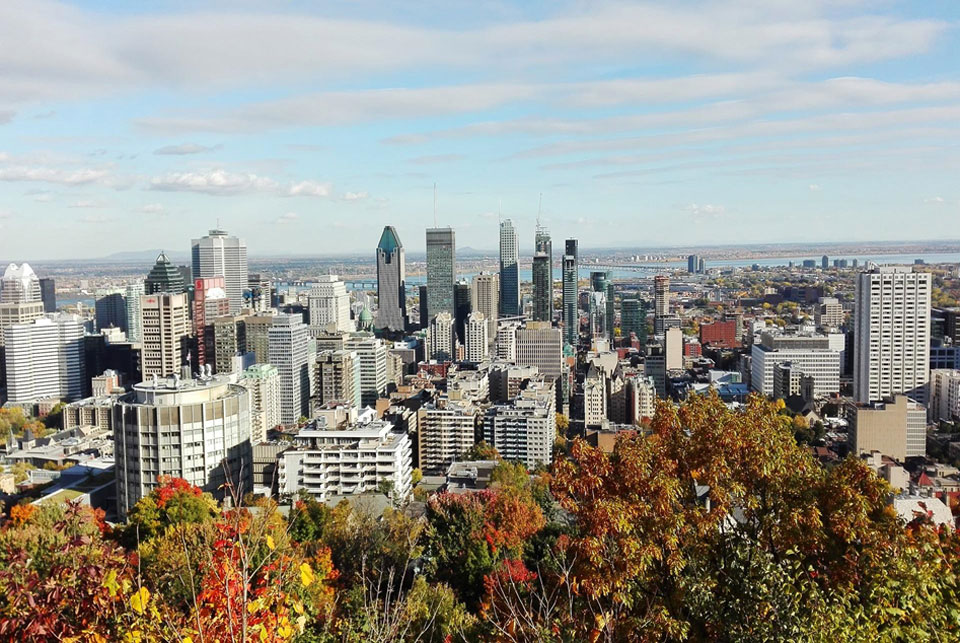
(166, 333)
(220, 255)
(441, 270)
(509, 271)
(288, 339)
(391, 282)
(571, 292)
(263, 382)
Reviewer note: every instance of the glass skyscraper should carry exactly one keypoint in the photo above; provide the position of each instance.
(571, 314)
(441, 270)
(509, 270)
(543, 276)
(391, 282)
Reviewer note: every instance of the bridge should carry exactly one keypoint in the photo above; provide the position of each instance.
(630, 267)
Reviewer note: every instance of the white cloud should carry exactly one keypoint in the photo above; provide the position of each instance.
(705, 211)
(309, 188)
(287, 218)
(83, 203)
(55, 175)
(220, 182)
(185, 148)
(814, 187)
(95, 219)
(354, 196)
(153, 208)
(936, 200)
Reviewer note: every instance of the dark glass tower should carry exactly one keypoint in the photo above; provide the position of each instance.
(441, 270)
(462, 308)
(542, 276)
(509, 270)
(164, 277)
(571, 313)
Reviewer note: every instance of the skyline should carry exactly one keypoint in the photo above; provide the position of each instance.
(738, 120)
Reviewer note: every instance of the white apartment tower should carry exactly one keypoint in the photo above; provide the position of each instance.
(263, 382)
(220, 255)
(133, 294)
(892, 334)
(329, 304)
(288, 352)
(442, 338)
(540, 344)
(372, 354)
(478, 344)
(45, 359)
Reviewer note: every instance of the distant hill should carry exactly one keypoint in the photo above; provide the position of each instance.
(147, 256)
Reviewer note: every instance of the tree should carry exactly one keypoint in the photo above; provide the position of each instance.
(174, 501)
(481, 451)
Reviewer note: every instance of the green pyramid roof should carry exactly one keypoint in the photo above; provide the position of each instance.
(389, 241)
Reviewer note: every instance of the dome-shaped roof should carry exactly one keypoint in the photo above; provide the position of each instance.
(366, 315)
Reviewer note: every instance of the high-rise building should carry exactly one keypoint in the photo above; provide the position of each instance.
(693, 264)
(441, 338)
(541, 345)
(220, 255)
(22, 313)
(110, 305)
(571, 293)
(507, 341)
(198, 430)
(829, 313)
(164, 277)
(261, 291)
(477, 341)
(263, 382)
(258, 337)
(509, 271)
(441, 270)
(288, 338)
(944, 395)
(391, 282)
(594, 397)
(633, 318)
(895, 426)
(892, 334)
(338, 377)
(597, 311)
(825, 262)
(230, 341)
(661, 302)
(166, 333)
(209, 302)
(811, 355)
(463, 306)
(485, 298)
(48, 294)
(329, 304)
(44, 359)
(525, 429)
(19, 285)
(373, 365)
(447, 431)
(542, 276)
(132, 294)
(673, 348)
(422, 306)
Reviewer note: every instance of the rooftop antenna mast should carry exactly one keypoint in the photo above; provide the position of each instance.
(539, 208)
(434, 205)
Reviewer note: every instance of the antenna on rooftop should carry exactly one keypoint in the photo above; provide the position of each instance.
(434, 205)
(539, 208)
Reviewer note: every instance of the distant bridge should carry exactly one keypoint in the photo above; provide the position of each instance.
(629, 267)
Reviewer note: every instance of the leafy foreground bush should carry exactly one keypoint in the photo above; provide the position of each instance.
(715, 527)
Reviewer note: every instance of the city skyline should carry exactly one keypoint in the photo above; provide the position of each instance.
(750, 122)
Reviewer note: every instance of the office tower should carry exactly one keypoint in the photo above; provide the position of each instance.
(892, 321)
(828, 313)
(441, 338)
(263, 382)
(597, 312)
(330, 460)
(258, 337)
(824, 262)
(701, 266)
(132, 294)
(571, 293)
(45, 359)
(261, 292)
(329, 304)
(198, 430)
(422, 306)
(391, 281)
(166, 333)
(944, 395)
(19, 285)
(220, 255)
(462, 305)
(110, 306)
(509, 271)
(338, 377)
(541, 345)
(633, 318)
(229, 341)
(896, 427)
(48, 294)
(661, 302)
(694, 263)
(477, 340)
(373, 366)
(507, 341)
(441, 270)
(594, 397)
(673, 348)
(485, 298)
(209, 302)
(809, 354)
(164, 277)
(288, 352)
(542, 276)
(524, 430)
(447, 431)
(20, 313)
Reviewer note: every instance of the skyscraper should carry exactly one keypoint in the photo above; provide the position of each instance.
(441, 338)
(571, 293)
(263, 382)
(19, 285)
(441, 270)
(260, 289)
(633, 314)
(48, 293)
(220, 255)
(288, 352)
(543, 276)
(462, 305)
(602, 281)
(329, 304)
(45, 359)
(164, 277)
(373, 366)
(825, 262)
(209, 302)
(166, 333)
(111, 308)
(133, 293)
(892, 336)
(391, 282)
(485, 298)
(509, 270)
(477, 340)
(661, 301)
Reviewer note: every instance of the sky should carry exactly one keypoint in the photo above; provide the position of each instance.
(304, 127)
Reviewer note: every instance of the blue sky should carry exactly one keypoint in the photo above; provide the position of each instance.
(306, 127)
